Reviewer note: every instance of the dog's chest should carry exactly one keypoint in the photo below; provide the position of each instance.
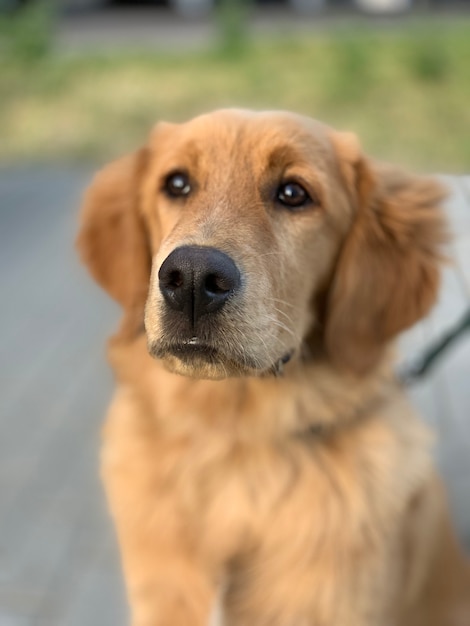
(240, 494)
(325, 509)
(292, 510)
(239, 482)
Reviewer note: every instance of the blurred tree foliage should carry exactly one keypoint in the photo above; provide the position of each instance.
(26, 32)
(233, 21)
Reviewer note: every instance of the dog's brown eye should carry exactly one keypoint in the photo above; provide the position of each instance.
(292, 195)
(177, 185)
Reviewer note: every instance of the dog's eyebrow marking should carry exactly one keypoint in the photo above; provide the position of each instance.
(186, 156)
(284, 155)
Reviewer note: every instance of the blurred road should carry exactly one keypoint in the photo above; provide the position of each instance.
(158, 27)
(58, 563)
(58, 559)
(130, 28)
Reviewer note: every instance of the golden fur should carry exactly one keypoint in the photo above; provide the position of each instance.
(307, 499)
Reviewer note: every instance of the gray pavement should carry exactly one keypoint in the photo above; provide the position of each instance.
(58, 563)
(115, 29)
(58, 557)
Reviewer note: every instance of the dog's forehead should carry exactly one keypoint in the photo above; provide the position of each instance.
(235, 132)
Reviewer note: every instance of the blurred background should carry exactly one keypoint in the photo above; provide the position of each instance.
(83, 81)
(87, 79)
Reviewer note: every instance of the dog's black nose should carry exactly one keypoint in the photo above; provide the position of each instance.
(198, 280)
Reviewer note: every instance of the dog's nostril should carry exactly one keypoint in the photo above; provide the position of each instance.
(175, 279)
(216, 284)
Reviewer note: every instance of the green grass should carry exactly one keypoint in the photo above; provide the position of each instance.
(405, 92)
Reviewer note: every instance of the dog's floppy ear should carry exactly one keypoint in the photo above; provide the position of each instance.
(112, 240)
(387, 274)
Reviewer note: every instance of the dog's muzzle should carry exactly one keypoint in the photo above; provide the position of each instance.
(198, 281)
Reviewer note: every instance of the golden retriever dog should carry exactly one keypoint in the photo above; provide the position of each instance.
(258, 448)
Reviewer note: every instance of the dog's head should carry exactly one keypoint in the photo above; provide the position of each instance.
(238, 235)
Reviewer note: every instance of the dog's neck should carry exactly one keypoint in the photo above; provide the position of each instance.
(311, 397)
(324, 399)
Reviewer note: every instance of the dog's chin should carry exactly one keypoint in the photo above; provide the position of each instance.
(202, 370)
(199, 361)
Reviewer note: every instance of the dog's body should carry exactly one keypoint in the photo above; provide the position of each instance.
(309, 498)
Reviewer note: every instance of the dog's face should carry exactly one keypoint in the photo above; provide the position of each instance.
(245, 214)
(231, 229)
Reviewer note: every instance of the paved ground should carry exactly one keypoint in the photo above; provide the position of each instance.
(58, 562)
(159, 28)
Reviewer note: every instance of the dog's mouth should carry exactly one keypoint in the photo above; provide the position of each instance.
(197, 358)
(194, 349)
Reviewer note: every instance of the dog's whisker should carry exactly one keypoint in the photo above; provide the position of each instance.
(272, 253)
(281, 325)
(287, 317)
(285, 303)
